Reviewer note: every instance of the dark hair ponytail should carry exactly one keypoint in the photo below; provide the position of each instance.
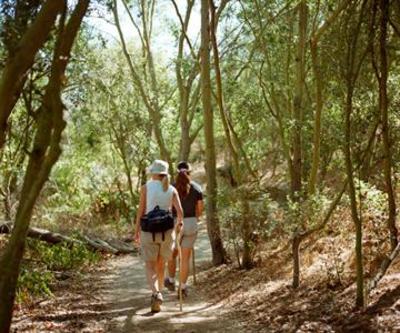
(182, 183)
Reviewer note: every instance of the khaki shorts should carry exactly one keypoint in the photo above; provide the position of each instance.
(188, 241)
(189, 234)
(151, 250)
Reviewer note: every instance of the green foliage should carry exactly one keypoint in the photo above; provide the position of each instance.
(374, 216)
(42, 262)
(114, 205)
(60, 257)
(302, 215)
(33, 282)
(257, 217)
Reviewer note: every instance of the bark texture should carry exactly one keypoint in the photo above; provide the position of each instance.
(218, 251)
(45, 153)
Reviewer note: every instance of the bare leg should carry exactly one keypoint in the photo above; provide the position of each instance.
(151, 275)
(172, 264)
(160, 271)
(185, 264)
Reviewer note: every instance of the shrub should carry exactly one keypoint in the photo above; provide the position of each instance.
(43, 260)
(33, 282)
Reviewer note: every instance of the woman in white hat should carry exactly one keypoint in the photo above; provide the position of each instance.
(156, 248)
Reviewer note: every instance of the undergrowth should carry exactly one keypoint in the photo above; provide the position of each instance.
(44, 263)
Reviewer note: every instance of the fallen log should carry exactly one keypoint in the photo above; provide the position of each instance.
(51, 237)
(101, 245)
(122, 246)
(95, 244)
(41, 234)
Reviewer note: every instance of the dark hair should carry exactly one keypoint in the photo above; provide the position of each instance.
(182, 183)
(184, 165)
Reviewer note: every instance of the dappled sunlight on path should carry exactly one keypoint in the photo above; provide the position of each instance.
(128, 300)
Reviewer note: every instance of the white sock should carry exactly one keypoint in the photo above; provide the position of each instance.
(183, 285)
(171, 279)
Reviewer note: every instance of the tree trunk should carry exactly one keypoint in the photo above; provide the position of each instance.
(247, 258)
(319, 100)
(353, 201)
(298, 102)
(383, 269)
(218, 251)
(220, 99)
(298, 106)
(383, 106)
(184, 85)
(317, 121)
(45, 153)
(185, 143)
(296, 260)
(15, 70)
(152, 104)
(353, 63)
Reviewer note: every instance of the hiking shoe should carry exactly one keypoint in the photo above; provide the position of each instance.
(156, 301)
(184, 293)
(169, 285)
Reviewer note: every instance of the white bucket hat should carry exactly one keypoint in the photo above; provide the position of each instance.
(158, 167)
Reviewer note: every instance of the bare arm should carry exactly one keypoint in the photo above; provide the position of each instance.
(140, 211)
(176, 202)
(199, 208)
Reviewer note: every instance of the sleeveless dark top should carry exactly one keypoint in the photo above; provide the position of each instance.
(190, 201)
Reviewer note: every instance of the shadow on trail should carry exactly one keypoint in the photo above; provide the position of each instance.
(127, 297)
(116, 298)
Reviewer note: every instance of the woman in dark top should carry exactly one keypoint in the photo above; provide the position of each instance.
(191, 198)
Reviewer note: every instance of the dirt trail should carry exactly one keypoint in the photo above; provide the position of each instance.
(127, 297)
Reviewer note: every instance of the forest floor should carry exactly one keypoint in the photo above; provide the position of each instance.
(113, 297)
(263, 299)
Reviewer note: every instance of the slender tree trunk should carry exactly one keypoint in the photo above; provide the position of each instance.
(220, 98)
(353, 62)
(298, 101)
(247, 261)
(14, 72)
(298, 237)
(383, 106)
(218, 251)
(298, 106)
(296, 261)
(45, 153)
(383, 269)
(365, 170)
(152, 104)
(317, 121)
(248, 245)
(128, 173)
(184, 85)
(319, 100)
(185, 143)
(120, 142)
(352, 194)
(147, 21)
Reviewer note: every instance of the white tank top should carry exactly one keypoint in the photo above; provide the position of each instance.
(156, 196)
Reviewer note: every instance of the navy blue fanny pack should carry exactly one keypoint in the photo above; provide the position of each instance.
(157, 221)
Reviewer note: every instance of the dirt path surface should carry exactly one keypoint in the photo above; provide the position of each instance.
(127, 297)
